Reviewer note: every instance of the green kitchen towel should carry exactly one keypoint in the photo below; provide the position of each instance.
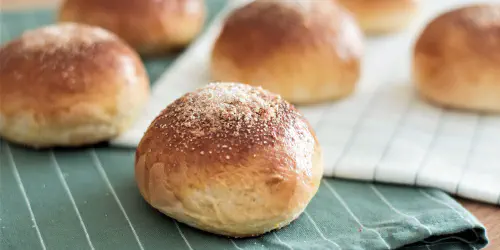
(87, 199)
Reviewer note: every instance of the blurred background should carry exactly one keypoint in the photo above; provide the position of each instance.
(486, 213)
(8, 4)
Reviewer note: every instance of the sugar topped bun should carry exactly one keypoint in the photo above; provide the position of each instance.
(456, 59)
(68, 37)
(306, 51)
(152, 27)
(230, 159)
(382, 16)
(68, 85)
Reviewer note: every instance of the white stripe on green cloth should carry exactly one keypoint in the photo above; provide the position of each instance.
(234, 243)
(25, 195)
(353, 215)
(100, 169)
(340, 198)
(447, 205)
(70, 196)
(319, 230)
(278, 238)
(381, 196)
(182, 235)
(457, 212)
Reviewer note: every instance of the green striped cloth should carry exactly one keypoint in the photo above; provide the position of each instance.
(87, 199)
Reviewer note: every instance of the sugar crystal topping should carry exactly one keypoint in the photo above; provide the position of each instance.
(230, 102)
(64, 35)
(220, 107)
(227, 119)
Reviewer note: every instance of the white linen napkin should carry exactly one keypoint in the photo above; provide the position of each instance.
(384, 132)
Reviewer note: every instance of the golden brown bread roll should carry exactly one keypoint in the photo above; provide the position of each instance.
(152, 27)
(306, 51)
(456, 59)
(230, 159)
(382, 16)
(69, 85)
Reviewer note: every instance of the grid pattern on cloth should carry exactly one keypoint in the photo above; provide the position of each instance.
(87, 199)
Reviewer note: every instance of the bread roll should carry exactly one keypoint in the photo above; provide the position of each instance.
(69, 85)
(456, 59)
(152, 27)
(382, 16)
(230, 159)
(306, 51)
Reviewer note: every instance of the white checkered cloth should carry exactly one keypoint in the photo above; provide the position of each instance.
(384, 132)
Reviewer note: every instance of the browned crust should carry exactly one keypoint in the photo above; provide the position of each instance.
(456, 59)
(227, 174)
(286, 46)
(473, 29)
(230, 136)
(262, 29)
(378, 7)
(152, 27)
(382, 16)
(69, 81)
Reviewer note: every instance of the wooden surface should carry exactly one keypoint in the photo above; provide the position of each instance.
(489, 215)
